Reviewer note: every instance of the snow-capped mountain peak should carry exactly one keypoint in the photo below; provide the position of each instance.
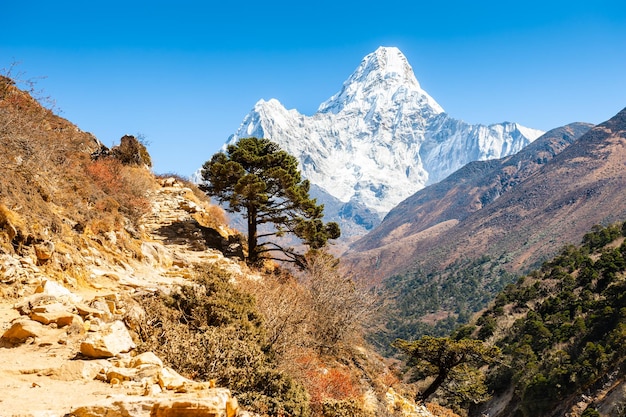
(381, 138)
(383, 75)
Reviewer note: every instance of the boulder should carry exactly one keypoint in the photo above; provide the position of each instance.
(116, 406)
(121, 374)
(111, 340)
(26, 305)
(101, 304)
(23, 329)
(215, 402)
(57, 290)
(169, 379)
(78, 370)
(44, 251)
(87, 311)
(53, 313)
(146, 358)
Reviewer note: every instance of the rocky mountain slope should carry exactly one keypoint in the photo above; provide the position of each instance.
(67, 346)
(449, 266)
(378, 140)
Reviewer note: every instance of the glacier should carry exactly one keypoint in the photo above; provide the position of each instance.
(381, 138)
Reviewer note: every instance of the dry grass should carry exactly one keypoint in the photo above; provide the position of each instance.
(11, 226)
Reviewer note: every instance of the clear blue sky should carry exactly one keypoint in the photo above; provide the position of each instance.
(185, 73)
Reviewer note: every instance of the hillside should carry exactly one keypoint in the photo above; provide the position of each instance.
(468, 190)
(562, 330)
(123, 294)
(451, 267)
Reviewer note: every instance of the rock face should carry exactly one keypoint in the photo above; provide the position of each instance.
(381, 138)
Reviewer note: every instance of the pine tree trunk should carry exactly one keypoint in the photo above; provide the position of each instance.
(253, 256)
(432, 387)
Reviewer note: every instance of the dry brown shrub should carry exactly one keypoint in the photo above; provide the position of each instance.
(213, 217)
(388, 378)
(11, 227)
(339, 304)
(334, 383)
(120, 185)
(440, 411)
(218, 215)
(282, 301)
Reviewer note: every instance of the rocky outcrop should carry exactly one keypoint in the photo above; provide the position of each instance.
(44, 251)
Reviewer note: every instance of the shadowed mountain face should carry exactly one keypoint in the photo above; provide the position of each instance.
(490, 219)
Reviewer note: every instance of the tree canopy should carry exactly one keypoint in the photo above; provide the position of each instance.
(255, 177)
(450, 360)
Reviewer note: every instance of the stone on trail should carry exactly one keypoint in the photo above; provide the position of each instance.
(77, 370)
(146, 358)
(111, 340)
(216, 402)
(53, 313)
(23, 329)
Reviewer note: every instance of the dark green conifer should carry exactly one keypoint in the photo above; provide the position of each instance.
(255, 177)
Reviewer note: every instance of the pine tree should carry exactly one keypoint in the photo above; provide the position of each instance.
(450, 360)
(255, 177)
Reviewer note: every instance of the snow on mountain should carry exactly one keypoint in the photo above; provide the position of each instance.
(382, 137)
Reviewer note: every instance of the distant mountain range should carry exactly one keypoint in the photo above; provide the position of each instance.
(378, 140)
(447, 250)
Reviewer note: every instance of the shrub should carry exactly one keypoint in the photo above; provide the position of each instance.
(338, 304)
(344, 408)
(333, 383)
(212, 330)
(119, 187)
(12, 227)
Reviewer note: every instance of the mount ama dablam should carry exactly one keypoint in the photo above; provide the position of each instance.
(379, 140)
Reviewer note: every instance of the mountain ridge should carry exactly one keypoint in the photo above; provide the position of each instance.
(474, 186)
